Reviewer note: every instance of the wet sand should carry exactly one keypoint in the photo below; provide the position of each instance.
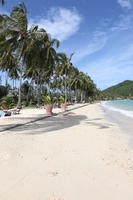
(125, 123)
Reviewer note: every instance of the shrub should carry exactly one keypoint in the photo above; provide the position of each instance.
(48, 100)
(9, 101)
(61, 99)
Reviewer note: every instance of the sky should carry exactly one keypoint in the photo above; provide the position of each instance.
(99, 32)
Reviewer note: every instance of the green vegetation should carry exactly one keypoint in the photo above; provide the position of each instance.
(48, 100)
(29, 58)
(121, 90)
(61, 100)
(3, 91)
(8, 101)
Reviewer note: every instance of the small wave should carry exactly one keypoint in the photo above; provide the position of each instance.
(124, 112)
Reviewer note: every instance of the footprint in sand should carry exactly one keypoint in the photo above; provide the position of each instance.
(53, 173)
(4, 156)
(55, 198)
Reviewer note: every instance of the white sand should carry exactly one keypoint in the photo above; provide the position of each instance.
(79, 156)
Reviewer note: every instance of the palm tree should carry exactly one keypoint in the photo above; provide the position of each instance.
(64, 64)
(42, 61)
(9, 64)
(84, 84)
(16, 38)
(14, 34)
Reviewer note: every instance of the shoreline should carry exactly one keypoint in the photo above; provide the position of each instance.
(124, 112)
(123, 121)
(76, 155)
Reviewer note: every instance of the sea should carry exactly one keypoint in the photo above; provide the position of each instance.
(125, 107)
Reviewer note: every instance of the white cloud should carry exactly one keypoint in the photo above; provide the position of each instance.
(98, 41)
(125, 3)
(100, 38)
(60, 22)
(124, 23)
(112, 68)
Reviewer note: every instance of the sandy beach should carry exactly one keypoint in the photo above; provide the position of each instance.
(77, 155)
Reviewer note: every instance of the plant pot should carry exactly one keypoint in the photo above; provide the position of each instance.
(63, 106)
(49, 109)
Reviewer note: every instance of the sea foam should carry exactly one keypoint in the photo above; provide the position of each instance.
(122, 111)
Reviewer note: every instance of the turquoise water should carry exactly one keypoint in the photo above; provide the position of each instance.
(123, 106)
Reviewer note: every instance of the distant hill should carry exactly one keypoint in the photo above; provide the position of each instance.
(122, 90)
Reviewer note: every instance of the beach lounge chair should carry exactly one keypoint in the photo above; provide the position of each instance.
(4, 113)
(13, 111)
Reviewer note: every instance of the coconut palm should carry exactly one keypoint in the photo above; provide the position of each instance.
(40, 63)
(9, 64)
(64, 64)
(16, 38)
(13, 36)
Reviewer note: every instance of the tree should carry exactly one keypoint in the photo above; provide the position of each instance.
(64, 65)
(3, 91)
(41, 62)
(13, 36)
(9, 64)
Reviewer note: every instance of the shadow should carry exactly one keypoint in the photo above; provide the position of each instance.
(99, 125)
(81, 106)
(11, 126)
(31, 120)
(95, 119)
(49, 124)
(42, 124)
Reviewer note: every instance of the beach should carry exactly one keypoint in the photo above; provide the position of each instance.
(77, 155)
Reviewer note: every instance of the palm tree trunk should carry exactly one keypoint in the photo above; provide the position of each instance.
(6, 81)
(81, 96)
(19, 92)
(65, 87)
(29, 90)
(39, 89)
(27, 99)
(13, 86)
(76, 96)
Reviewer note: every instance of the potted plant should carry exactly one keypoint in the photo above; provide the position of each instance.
(62, 103)
(48, 102)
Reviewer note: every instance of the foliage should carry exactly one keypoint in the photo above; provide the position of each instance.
(3, 91)
(61, 99)
(122, 90)
(9, 101)
(47, 100)
(31, 55)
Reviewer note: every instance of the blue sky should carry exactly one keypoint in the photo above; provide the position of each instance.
(99, 32)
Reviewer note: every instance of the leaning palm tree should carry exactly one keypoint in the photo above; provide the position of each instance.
(64, 64)
(41, 62)
(13, 36)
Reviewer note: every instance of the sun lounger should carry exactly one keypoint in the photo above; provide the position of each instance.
(4, 113)
(13, 111)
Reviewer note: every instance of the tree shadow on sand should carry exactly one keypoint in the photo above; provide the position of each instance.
(57, 122)
(49, 124)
